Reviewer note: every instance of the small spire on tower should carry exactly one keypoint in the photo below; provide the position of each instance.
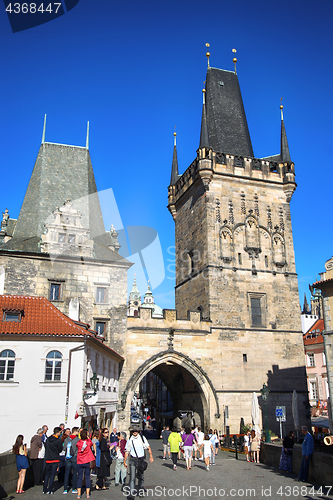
(235, 60)
(208, 55)
(44, 129)
(285, 155)
(87, 137)
(174, 168)
(204, 137)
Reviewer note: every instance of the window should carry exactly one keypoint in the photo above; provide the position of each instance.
(53, 366)
(313, 390)
(311, 359)
(256, 312)
(71, 239)
(266, 261)
(100, 328)
(101, 295)
(324, 359)
(55, 289)
(7, 364)
(61, 237)
(12, 316)
(244, 358)
(240, 259)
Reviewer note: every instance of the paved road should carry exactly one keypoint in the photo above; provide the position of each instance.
(229, 478)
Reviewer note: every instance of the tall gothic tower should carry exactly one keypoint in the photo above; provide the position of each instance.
(234, 246)
(235, 259)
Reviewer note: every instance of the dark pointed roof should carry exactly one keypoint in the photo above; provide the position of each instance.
(285, 155)
(204, 136)
(226, 121)
(306, 309)
(174, 168)
(61, 173)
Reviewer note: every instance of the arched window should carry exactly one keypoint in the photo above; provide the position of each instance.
(7, 364)
(53, 366)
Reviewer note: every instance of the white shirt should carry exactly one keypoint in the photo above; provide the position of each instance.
(200, 437)
(137, 444)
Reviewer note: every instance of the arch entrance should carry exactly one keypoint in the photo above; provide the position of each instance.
(189, 386)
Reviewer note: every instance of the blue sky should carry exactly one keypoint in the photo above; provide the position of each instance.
(136, 69)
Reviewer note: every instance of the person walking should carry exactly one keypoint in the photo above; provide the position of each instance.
(70, 448)
(307, 450)
(174, 440)
(213, 438)
(255, 446)
(188, 440)
(22, 463)
(53, 447)
(286, 458)
(247, 446)
(84, 457)
(207, 450)
(95, 442)
(120, 470)
(105, 460)
(166, 445)
(36, 445)
(201, 436)
(135, 452)
(217, 441)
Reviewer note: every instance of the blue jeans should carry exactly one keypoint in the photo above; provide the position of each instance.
(133, 474)
(304, 470)
(86, 469)
(50, 472)
(69, 465)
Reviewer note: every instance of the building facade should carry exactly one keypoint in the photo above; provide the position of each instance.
(47, 362)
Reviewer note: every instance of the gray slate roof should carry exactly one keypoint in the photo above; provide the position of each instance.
(227, 126)
(61, 173)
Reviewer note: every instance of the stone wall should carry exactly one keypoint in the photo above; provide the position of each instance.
(9, 475)
(320, 470)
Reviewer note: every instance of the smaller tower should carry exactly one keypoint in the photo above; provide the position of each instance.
(148, 302)
(134, 300)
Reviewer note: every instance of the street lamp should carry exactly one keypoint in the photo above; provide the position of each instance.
(94, 381)
(264, 394)
(123, 399)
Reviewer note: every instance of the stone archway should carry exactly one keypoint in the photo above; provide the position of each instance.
(174, 368)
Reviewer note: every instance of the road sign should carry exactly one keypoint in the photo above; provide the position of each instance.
(280, 413)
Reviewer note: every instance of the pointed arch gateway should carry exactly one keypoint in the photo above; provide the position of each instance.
(206, 391)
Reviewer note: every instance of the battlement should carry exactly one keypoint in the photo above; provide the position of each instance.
(263, 169)
(193, 324)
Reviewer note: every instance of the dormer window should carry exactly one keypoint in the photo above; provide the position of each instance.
(12, 316)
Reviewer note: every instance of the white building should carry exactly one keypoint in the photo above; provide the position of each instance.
(46, 363)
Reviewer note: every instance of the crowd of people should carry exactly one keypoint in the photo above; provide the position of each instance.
(190, 442)
(75, 455)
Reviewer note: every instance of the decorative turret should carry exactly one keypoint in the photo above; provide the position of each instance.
(289, 172)
(306, 309)
(134, 300)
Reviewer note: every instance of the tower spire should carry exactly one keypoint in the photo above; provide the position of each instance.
(204, 137)
(87, 138)
(44, 129)
(174, 169)
(285, 155)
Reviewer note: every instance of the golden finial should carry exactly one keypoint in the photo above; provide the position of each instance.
(174, 135)
(281, 107)
(234, 59)
(207, 54)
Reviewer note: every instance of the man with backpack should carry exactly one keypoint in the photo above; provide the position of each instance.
(135, 454)
(70, 449)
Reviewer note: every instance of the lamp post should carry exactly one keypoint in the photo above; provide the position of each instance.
(94, 381)
(264, 394)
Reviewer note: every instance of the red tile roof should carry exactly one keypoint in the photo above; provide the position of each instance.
(39, 317)
(310, 338)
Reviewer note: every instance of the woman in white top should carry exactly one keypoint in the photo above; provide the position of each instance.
(247, 445)
(207, 450)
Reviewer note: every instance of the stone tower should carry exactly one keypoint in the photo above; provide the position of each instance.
(235, 259)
